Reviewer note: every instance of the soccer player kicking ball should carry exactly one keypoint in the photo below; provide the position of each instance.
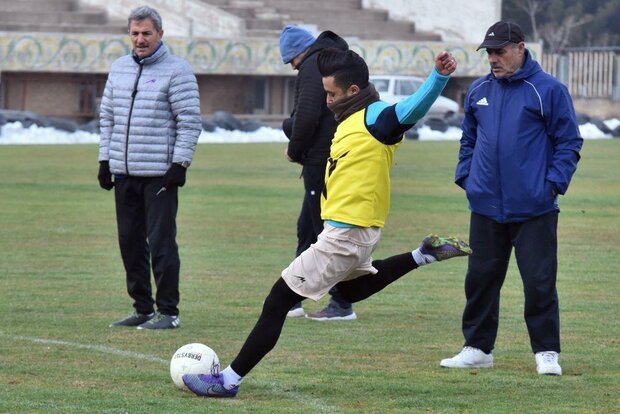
(355, 204)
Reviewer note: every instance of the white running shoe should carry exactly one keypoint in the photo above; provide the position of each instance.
(469, 357)
(296, 311)
(547, 363)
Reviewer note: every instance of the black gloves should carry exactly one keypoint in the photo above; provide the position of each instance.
(104, 176)
(287, 127)
(175, 176)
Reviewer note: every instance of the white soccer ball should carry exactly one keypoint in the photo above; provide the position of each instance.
(193, 359)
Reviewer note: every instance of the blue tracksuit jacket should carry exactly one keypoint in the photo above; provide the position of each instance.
(520, 144)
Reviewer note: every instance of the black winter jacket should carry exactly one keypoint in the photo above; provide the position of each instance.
(311, 126)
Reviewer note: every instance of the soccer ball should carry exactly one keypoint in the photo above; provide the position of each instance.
(193, 359)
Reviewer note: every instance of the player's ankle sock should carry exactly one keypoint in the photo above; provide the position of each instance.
(422, 259)
(231, 378)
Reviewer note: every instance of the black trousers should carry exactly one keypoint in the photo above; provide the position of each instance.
(535, 246)
(147, 238)
(310, 223)
(267, 330)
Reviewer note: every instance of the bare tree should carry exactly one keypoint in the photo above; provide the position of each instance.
(563, 23)
(531, 7)
(557, 36)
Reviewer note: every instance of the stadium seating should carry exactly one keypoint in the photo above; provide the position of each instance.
(265, 18)
(56, 16)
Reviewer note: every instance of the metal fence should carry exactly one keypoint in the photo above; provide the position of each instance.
(592, 73)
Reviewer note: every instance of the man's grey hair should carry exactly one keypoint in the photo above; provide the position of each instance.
(145, 12)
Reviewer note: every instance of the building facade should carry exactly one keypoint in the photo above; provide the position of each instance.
(61, 70)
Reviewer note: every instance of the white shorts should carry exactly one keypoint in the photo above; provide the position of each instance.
(339, 254)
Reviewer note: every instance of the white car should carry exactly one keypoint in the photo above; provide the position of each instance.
(394, 88)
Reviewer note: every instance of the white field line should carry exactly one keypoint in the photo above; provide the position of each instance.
(278, 389)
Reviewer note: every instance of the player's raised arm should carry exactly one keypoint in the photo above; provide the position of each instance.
(410, 110)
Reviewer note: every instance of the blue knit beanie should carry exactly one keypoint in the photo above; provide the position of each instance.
(293, 41)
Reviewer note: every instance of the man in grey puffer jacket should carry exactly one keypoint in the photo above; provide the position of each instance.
(150, 124)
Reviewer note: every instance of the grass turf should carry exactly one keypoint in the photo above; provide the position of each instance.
(62, 283)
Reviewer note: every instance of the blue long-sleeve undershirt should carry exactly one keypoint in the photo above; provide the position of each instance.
(388, 122)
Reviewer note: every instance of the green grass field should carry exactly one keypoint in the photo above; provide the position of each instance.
(62, 283)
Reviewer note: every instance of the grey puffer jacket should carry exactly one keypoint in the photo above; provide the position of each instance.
(150, 114)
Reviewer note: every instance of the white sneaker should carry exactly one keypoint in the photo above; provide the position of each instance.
(547, 363)
(469, 357)
(296, 312)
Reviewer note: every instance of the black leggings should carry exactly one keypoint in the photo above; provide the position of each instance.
(267, 330)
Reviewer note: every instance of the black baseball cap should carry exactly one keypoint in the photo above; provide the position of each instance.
(500, 34)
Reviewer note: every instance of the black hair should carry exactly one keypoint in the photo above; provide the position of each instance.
(346, 66)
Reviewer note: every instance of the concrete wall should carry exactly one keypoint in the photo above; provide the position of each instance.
(52, 94)
(181, 17)
(94, 53)
(222, 92)
(601, 108)
(456, 21)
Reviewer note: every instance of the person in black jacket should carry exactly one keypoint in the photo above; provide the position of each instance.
(310, 130)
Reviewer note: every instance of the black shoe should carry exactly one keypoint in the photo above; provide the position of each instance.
(134, 320)
(162, 322)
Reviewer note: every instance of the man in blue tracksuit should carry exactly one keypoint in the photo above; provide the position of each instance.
(519, 149)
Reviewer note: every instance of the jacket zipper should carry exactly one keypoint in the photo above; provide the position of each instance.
(134, 92)
(500, 194)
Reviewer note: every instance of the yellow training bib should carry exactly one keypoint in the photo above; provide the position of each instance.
(357, 176)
